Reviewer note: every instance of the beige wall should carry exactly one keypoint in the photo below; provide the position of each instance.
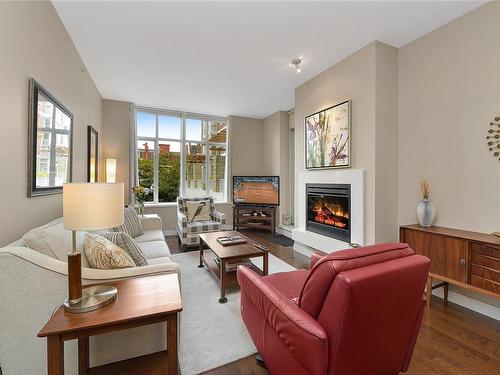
(386, 143)
(448, 94)
(276, 151)
(116, 122)
(368, 78)
(247, 135)
(449, 91)
(34, 43)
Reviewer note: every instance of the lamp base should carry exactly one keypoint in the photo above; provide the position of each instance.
(93, 298)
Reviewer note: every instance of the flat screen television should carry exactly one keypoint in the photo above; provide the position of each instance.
(257, 190)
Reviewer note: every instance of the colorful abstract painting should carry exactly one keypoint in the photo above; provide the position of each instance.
(328, 137)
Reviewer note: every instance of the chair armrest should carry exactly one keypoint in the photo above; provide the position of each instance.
(305, 337)
(219, 216)
(314, 259)
(151, 222)
(181, 218)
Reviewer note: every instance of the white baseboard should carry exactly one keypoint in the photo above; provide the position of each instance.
(470, 303)
(284, 231)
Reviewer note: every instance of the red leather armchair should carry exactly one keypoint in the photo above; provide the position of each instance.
(355, 311)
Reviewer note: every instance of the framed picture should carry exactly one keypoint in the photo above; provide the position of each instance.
(92, 154)
(328, 137)
(50, 141)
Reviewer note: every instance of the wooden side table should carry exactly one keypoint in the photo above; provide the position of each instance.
(141, 301)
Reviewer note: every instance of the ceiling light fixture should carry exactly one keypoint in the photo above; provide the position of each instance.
(296, 64)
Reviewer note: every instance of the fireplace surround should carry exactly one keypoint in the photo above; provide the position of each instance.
(328, 210)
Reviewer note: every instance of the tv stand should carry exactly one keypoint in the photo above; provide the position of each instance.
(254, 216)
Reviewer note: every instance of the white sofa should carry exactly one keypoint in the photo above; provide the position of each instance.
(34, 283)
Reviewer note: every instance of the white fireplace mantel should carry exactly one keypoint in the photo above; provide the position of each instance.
(305, 241)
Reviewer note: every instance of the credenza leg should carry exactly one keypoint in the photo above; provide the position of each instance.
(429, 292)
(445, 292)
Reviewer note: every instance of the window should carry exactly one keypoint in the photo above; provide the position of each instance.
(181, 154)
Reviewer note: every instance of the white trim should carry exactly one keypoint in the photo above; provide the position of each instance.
(133, 152)
(284, 231)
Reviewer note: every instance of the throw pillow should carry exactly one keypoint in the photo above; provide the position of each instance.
(104, 254)
(132, 224)
(127, 243)
(198, 210)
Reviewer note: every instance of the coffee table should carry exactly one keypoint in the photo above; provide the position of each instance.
(228, 253)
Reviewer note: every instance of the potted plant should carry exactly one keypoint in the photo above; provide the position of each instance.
(426, 212)
(141, 193)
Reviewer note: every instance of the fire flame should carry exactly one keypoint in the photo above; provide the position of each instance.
(333, 214)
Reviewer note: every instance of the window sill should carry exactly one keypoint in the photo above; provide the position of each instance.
(174, 204)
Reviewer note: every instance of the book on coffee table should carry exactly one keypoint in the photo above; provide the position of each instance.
(232, 265)
(231, 240)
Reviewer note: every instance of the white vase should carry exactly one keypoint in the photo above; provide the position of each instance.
(426, 213)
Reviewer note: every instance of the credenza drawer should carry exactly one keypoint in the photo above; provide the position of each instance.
(477, 248)
(485, 273)
(485, 284)
(486, 261)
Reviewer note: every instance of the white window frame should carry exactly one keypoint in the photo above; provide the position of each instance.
(183, 141)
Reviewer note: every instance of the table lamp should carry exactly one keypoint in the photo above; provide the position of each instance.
(89, 206)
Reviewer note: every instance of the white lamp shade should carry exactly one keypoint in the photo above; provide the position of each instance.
(92, 206)
(111, 170)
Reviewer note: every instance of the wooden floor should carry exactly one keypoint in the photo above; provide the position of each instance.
(452, 340)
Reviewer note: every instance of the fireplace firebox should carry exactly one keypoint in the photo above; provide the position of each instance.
(328, 210)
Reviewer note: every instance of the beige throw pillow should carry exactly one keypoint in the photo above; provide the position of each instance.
(198, 210)
(104, 254)
(132, 224)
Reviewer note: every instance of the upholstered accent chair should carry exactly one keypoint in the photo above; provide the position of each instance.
(187, 230)
(355, 311)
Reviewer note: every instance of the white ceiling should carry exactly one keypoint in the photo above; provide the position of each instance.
(231, 58)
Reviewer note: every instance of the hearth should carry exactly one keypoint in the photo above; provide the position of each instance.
(328, 210)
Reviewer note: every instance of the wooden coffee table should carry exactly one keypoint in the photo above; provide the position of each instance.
(225, 254)
(141, 301)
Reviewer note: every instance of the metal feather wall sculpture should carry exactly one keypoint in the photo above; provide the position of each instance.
(493, 137)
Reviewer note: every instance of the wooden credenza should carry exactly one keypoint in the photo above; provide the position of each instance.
(467, 259)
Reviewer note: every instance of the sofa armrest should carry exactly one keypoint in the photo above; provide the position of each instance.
(315, 257)
(89, 275)
(305, 337)
(151, 222)
(219, 216)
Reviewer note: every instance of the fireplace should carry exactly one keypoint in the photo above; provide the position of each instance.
(328, 210)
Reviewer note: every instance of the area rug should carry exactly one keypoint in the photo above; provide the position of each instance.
(212, 334)
(280, 240)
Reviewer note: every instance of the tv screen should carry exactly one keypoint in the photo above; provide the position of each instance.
(263, 190)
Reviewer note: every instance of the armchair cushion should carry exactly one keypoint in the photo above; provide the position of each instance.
(203, 226)
(288, 283)
(198, 210)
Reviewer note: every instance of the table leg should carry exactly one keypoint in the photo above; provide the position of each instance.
(201, 254)
(445, 291)
(429, 291)
(83, 355)
(55, 355)
(222, 277)
(172, 357)
(265, 262)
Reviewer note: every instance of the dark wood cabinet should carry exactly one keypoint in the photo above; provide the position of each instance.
(259, 217)
(467, 259)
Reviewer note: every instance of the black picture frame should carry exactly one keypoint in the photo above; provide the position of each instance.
(42, 174)
(92, 154)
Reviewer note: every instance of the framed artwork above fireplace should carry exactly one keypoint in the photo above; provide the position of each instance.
(328, 137)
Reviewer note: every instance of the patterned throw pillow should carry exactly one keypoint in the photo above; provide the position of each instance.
(198, 210)
(104, 254)
(132, 224)
(127, 243)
